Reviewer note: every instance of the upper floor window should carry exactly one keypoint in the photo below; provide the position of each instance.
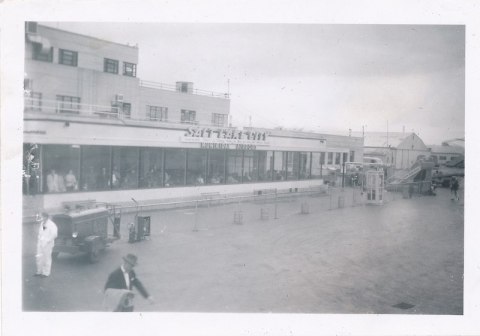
(158, 113)
(188, 116)
(33, 101)
(68, 104)
(42, 54)
(219, 119)
(110, 66)
(67, 57)
(129, 69)
(127, 110)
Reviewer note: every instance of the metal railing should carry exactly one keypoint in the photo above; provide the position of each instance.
(170, 87)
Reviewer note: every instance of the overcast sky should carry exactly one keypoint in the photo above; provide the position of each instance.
(326, 78)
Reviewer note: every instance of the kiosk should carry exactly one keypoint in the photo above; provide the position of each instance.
(374, 186)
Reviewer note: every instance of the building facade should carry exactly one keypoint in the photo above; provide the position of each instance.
(93, 130)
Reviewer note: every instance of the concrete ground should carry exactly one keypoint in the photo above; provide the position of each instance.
(403, 257)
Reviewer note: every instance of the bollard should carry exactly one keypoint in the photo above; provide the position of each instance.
(264, 214)
(238, 217)
(304, 208)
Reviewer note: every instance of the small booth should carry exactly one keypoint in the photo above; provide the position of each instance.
(374, 186)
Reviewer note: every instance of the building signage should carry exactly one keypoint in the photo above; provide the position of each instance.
(223, 138)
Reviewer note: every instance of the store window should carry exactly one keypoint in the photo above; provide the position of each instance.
(216, 167)
(67, 57)
(330, 158)
(157, 113)
(234, 166)
(345, 157)
(219, 119)
(60, 168)
(110, 65)
(68, 104)
(322, 158)
(129, 69)
(95, 168)
(293, 161)
(188, 117)
(125, 165)
(352, 156)
(265, 165)
(279, 165)
(250, 166)
(196, 166)
(317, 165)
(175, 160)
(304, 171)
(42, 54)
(151, 168)
(337, 158)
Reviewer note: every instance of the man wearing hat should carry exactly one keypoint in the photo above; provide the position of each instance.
(47, 232)
(124, 279)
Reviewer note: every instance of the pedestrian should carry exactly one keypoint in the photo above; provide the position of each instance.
(455, 186)
(47, 232)
(124, 279)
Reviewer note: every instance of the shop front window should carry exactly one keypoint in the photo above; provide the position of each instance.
(151, 168)
(216, 167)
(125, 167)
(60, 168)
(317, 165)
(175, 167)
(304, 171)
(95, 168)
(337, 158)
(196, 166)
(234, 166)
(293, 161)
(250, 166)
(265, 165)
(279, 165)
(330, 158)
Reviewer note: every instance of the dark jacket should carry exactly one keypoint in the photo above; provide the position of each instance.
(116, 280)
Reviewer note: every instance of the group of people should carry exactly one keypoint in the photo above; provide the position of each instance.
(61, 183)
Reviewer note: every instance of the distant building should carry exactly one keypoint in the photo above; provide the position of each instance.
(396, 149)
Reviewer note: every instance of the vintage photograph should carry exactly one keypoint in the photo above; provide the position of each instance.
(243, 168)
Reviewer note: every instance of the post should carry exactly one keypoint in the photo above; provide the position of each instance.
(195, 227)
(343, 176)
(275, 217)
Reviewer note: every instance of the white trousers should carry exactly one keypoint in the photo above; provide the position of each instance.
(44, 259)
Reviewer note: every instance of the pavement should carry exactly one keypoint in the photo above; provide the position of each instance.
(402, 257)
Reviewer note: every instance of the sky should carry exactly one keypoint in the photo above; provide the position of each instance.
(314, 77)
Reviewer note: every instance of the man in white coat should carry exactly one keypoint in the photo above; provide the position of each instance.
(47, 232)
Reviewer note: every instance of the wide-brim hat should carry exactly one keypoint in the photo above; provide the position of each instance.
(131, 259)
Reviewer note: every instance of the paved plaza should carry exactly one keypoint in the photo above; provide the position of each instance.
(403, 257)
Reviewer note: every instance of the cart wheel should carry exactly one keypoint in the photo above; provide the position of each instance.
(55, 255)
(94, 254)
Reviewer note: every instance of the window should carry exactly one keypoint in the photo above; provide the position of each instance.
(304, 171)
(61, 162)
(40, 54)
(441, 157)
(196, 166)
(352, 156)
(157, 113)
(95, 168)
(125, 167)
(68, 104)
(234, 166)
(110, 66)
(330, 158)
(151, 168)
(293, 161)
(345, 157)
(279, 165)
(322, 158)
(34, 101)
(67, 57)
(188, 117)
(129, 69)
(216, 167)
(250, 166)
(184, 87)
(219, 119)
(317, 164)
(127, 110)
(337, 158)
(265, 165)
(175, 167)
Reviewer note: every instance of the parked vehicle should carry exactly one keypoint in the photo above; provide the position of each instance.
(83, 231)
